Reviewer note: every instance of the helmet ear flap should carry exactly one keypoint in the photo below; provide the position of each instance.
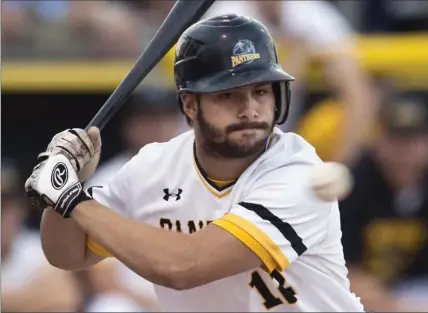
(282, 92)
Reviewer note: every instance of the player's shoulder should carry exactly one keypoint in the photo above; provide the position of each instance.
(286, 166)
(288, 149)
(280, 180)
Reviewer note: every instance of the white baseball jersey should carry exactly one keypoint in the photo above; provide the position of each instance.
(270, 208)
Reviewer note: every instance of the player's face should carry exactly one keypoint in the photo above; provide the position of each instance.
(237, 122)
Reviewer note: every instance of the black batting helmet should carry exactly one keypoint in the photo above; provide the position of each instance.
(226, 52)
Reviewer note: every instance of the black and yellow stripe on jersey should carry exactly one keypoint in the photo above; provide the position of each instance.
(258, 241)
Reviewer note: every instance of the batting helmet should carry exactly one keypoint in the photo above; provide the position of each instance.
(226, 52)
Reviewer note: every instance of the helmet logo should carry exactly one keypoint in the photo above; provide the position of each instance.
(244, 52)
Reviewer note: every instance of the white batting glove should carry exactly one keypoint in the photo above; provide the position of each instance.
(54, 183)
(83, 149)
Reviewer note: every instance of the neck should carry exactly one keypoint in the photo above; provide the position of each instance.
(222, 168)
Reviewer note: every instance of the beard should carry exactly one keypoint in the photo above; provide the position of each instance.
(228, 148)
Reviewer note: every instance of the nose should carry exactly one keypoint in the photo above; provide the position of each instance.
(249, 108)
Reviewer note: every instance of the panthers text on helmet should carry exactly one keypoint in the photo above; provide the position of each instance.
(238, 59)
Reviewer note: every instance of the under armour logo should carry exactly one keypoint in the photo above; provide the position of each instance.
(172, 194)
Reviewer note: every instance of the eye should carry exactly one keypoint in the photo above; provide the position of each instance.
(225, 95)
(260, 92)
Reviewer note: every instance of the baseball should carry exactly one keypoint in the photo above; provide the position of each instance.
(331, 181)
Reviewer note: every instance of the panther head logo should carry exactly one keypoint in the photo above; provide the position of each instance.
(244, 47)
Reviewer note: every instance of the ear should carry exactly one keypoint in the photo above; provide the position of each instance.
(190, 105)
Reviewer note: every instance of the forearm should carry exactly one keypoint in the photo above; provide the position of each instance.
(158, 255)
(63, 242)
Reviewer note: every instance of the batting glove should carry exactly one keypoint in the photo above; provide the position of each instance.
(82, 149)
(54, 183)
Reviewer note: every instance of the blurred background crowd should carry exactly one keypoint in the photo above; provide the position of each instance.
(360, 97)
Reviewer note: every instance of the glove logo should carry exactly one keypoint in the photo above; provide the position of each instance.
(59, 176)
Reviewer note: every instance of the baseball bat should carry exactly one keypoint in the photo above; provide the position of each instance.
(183, 14)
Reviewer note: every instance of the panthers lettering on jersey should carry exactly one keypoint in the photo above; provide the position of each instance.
(269, 208)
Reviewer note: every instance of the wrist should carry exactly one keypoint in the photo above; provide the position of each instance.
(80, 208)
(80, 213)
(70, 199)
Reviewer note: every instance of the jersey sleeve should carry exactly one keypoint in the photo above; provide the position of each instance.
(114, 194)
(280, 219)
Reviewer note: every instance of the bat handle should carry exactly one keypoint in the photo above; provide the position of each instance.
(112, 105)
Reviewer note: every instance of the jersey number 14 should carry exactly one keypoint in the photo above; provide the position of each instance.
(271, 301)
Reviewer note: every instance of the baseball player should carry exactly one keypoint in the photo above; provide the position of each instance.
(220, 218)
